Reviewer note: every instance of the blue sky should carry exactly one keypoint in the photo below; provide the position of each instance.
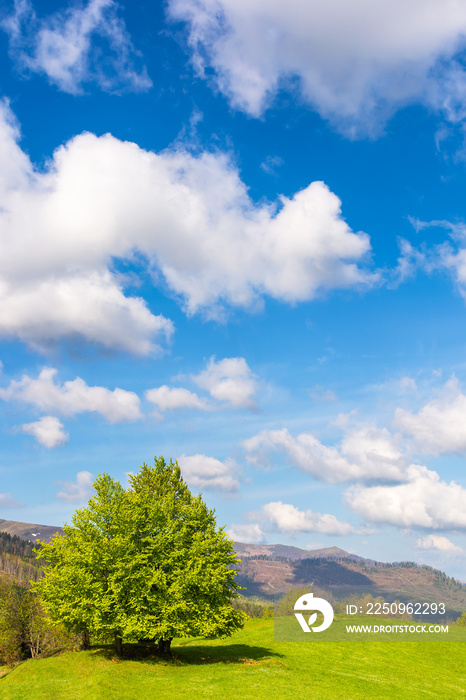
(234, 234)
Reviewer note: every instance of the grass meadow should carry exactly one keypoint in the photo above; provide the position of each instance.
(249, 665)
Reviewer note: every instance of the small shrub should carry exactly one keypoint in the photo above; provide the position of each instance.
(461, 621)
(285, 605)
(253, 607)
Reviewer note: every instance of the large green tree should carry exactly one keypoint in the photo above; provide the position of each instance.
(147, 562)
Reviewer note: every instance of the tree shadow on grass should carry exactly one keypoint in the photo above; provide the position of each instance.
(225, 654)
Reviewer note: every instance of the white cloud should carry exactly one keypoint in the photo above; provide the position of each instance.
(229, 380)
(356, 63)
(319, 393)
(376, 451)
(304, 451)
(7, 500)
(443, 544)
(91, 305)
(452, 259)
(440, 425)
(173, 398)
(49, 431)
(250, 534)
(67, 47)
(447, 257)
(58, 290)
(188, 218)
(209, 473)
(364, 453)
(270, 163)
(408, 384)
(78, 491)
(409, 261)
(289, 519)
(73, 397)
(424, 501)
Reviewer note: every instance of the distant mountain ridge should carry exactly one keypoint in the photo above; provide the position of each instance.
(282, 551)
(269, 570)
(34, 531)
(30, 531)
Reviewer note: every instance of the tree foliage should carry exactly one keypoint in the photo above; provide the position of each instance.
(461, 621)
(147, 562)
(285, 605)
(25, 631)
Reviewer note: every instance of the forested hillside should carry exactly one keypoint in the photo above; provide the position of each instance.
(12, 544)
(271, 577)
(17, 560)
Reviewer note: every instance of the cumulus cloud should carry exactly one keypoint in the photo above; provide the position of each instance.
(424, 501)
(88, 304)
(442, 544)
(440, 425)
(365, 453)
(355, 63)
(7, 500)
(73, 397)
(251, 533)
(173, 398)
(78, 491)
(448, 257)
(209, 473)
(48, 431)
(376, 451)
(187, 218)
(229, 380)
(67, 294)
(288, 519)
(76, 46)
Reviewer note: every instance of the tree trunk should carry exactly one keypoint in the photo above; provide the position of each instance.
(163, 646)
(118, 643)
(85, 640)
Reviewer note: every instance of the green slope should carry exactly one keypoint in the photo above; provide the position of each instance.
(249, 665)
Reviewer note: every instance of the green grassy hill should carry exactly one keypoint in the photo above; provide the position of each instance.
(248, 665)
